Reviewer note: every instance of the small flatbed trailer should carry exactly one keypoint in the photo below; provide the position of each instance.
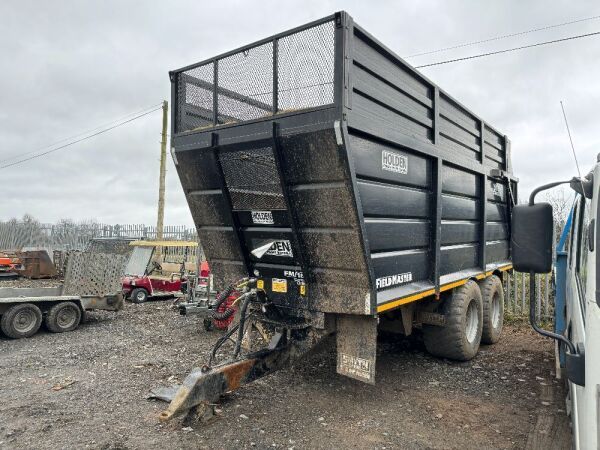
(91, 283)
(338, 191)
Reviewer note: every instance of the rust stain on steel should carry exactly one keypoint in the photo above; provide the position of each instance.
(234, 373)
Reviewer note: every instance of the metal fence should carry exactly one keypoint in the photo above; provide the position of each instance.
(16, 235)
(516, 295)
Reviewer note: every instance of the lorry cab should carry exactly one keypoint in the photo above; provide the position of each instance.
(582, 312)
(577, 304)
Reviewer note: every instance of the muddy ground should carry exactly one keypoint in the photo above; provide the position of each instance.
(87, 389)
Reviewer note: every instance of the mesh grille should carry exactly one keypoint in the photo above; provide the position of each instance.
(93, 274)
(195, 98)
(252, 179)
(245, 80)
(246, 85)
(305, 68)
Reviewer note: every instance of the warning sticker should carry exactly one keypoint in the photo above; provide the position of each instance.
(394, 162)
(279, 285)
(262, 217)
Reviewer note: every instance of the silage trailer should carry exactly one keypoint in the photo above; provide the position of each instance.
(338, 191)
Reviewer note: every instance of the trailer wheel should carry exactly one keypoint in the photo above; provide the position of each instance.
(139, 295)
(21, 321)
(63, 317)
(493, 309)
(459, 339)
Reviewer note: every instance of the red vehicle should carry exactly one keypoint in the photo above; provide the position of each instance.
(145, 277)
(8, 266)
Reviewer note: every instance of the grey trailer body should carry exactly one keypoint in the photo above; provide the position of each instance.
(343, 180)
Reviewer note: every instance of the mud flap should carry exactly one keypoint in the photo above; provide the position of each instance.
(357, 347)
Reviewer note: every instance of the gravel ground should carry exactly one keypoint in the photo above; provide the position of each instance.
(87, 389)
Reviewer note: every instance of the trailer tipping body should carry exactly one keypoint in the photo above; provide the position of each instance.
(344, 181)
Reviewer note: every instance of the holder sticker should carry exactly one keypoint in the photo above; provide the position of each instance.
(394, 162)
(262, 217)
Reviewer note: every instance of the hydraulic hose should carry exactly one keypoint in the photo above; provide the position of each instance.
(219, 343)
(221, 298)
(243, 308)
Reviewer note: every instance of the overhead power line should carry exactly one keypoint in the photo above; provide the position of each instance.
(481, 55)
(504, 36)
(81, 139)
(82, 133)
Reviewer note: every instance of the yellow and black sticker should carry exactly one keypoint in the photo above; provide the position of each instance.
(302, 289)
(260, 284)
(279, 285)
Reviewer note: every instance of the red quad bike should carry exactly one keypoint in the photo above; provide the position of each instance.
(146, 278)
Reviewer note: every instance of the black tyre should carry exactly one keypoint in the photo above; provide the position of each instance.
(139, 295)
(492, 294)
(21, 321)
(459, 339)
(63, 317)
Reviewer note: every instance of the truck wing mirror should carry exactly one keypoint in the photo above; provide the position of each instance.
(531, 251)
(532, 238)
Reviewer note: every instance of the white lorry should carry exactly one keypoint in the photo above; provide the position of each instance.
(577, 309)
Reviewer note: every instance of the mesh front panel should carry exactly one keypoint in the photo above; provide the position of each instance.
(252, 179)
(245, 81)
(246, 85)
(305, 68)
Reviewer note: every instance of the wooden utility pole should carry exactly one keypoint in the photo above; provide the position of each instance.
(163, 170)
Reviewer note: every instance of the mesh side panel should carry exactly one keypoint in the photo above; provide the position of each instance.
(252, 179)
(245, 84)
(305, 67)
(195, 98)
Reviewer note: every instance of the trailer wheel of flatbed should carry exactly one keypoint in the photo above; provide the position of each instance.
(460, 337)
(21, 320)
(493, 309)
(63, 317)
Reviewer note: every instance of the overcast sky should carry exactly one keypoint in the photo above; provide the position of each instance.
(69, 66)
